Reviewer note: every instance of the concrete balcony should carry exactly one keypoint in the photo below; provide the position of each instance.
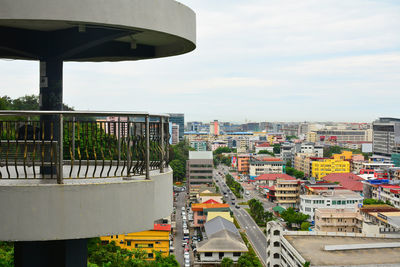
(109, 176)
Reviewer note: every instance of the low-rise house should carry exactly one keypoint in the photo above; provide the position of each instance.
(200, 211)
(380, 219)
(149, 241)
(338, 199)
(223, 240)
(263, 165)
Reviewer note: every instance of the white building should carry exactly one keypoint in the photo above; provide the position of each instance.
(337, 199)
(312, 149)
(295, 249)
(174, 134)
(267, 165)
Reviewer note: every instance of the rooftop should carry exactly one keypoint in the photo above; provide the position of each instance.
(200, 155)
(218, 224)
(349, 181)
(312, 249)
(201, 206)
(333, 194)
(223, 241)
(274, 176)
(162, 227)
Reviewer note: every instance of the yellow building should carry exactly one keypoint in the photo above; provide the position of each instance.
(149, 241)
(343, 156)
(327, 166)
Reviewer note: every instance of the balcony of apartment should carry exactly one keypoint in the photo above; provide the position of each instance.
(287, 188)
(283, 194)
(337, 223)
(74, 175)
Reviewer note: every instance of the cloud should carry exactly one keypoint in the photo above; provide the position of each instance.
(255, 59)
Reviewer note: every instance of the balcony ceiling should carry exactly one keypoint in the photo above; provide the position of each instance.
(89, 30)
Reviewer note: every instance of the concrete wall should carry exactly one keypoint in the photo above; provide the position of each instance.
(52, 211)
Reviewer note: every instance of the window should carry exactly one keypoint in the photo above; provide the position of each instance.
(236, 254)
(208, 254)
(276, 232)
(128, 243)
(276, 244)
(116, 236)
(150, 255)
(276, 256)
(158, 242)
(333, 202)
(221, 255)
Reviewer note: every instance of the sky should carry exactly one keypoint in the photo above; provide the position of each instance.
(256, 60)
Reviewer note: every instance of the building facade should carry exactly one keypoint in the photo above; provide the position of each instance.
(179, 119)
(327, 166)
(287, 193)
(337, 199)
(265, 165)
(386, 136)
(199, 168)
(338, 220)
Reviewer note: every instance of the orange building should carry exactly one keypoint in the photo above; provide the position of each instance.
(243, 163)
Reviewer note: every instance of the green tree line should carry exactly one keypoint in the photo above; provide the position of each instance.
(235, 187)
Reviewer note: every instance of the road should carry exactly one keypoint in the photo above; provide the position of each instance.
(181, 199)
(254, 233)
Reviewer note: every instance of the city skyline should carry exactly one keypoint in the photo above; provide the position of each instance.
(261, 61)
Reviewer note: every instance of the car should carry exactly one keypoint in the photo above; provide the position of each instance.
(184, 217)
(171, 249)
(186, 255)
(183, 208)
(186, 248)
(184, 243)
(187, 263)
(233, 203)
(237, 206)
(232, 198)
(183, 213)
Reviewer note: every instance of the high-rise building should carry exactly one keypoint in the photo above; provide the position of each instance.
(199, 168)
(214, 127)
(386, 136)
(174, 134)
(179, 119)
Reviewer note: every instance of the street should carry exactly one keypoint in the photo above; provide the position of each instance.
(179, 234)
(246, 222)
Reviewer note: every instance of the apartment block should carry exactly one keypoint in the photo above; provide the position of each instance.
(386, 136)
(260, 166)
(327, 166)
(243, 162)
(287, 192)
(199, 168)
(338, 220)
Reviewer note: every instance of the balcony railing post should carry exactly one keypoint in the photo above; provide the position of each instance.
(162, 144)
(60, 151)
(147, 159)
(128, 147)
(119, 137)
(73, 138)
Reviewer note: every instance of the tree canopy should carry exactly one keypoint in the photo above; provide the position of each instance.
(292, 217)
(266, 152)
(293, 172)
(257, 211)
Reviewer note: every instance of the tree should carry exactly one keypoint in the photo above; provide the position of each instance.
(221, 150)
(277, 148)
(249, 260)
(371, 201)
(329, 151)
(226, 262)
(291, 217)
(178, 168)
(305, 226)
(293, 172)
(266, 152)
(6, 254)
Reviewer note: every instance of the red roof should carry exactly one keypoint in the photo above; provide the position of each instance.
(162, 227)
(390, 186)
(348, 180)
(263, 145)
(211, 201)
(274, 176)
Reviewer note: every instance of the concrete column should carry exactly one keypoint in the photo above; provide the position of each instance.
(63, 253)
(50, 98)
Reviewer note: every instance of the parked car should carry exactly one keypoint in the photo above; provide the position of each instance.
(186, 255)
(237, 206)
(187, 263)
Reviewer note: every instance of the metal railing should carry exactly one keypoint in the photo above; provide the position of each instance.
(88, 145)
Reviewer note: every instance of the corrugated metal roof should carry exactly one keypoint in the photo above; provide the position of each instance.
(219, 224)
